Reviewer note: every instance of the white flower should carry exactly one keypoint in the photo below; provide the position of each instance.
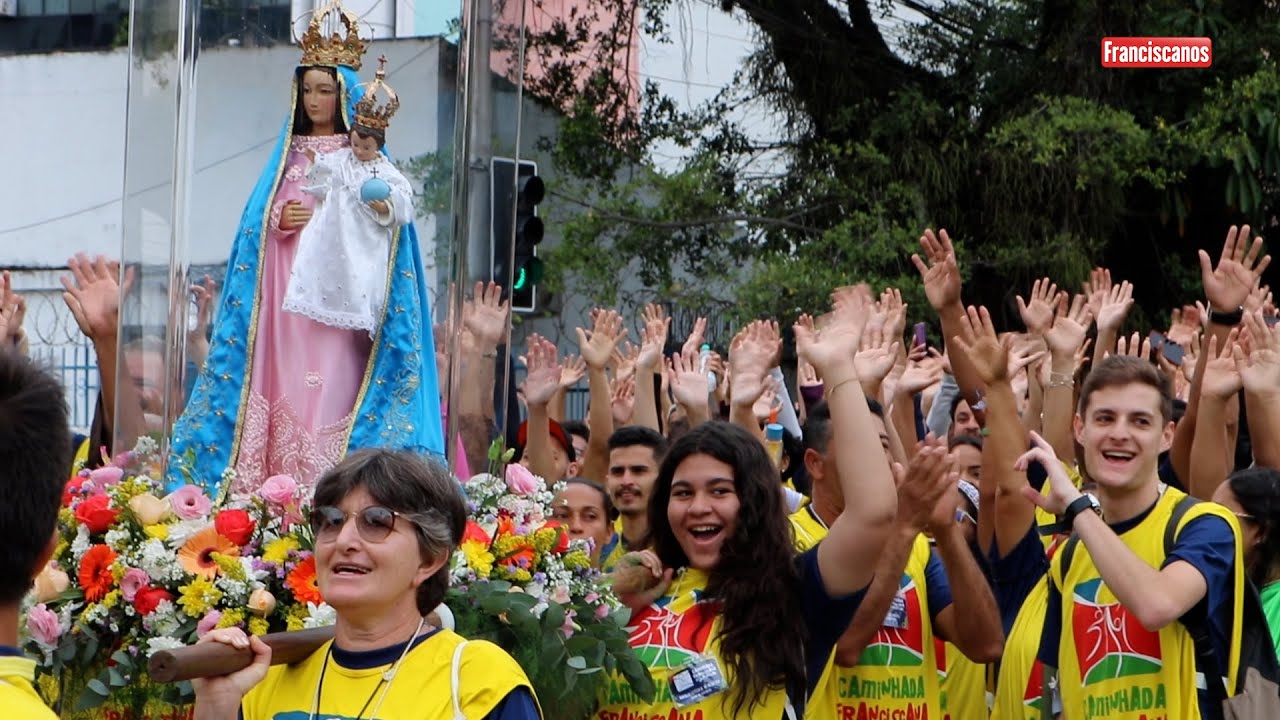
(146, 446)
(179, 532)
(80, 545)
(164, 642)
(319, 616)
(165, 621)
(236, 591)
(117, 539)
(158, 561)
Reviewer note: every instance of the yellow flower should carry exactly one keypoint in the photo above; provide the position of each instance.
(576, 560)
(277, 551)
(545, 539)
(230, 566)
(479, 559)
(258, 626)
(157, 532)
(292, 623)
(112, 599)
(61, 548)
(231, 618)
(198, 597)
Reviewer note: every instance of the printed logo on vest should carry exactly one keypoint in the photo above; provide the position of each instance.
(662, 638)
(1035, 687)
(1110, 642)
(899, 646)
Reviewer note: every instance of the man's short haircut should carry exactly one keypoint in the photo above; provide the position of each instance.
(973, 441)
(817, 428)
(629, 435)
(35, 442)
(576, 427)
(1119, 370)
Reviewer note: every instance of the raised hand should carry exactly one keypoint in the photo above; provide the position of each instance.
(543, 377)
(14, 307)
(572, 370)
(806, 376)
(920, 375)
(623, 401)
(836, 344)
(1259, 369)
(1241, 264)
(1037, 314)
(941, 275)
(1137, 346)
(1260, 298)
(93, 294)
(1070, 326)
(597, 348)
(624, 360)
(486, 314)
(895, 323)
(695, 339)
(688, 384)
(1114, 307)
(1062, 491)
(1184, 326)
(1221, 378)
(653, 338)
(1096, 289)
(923, 483)
(750, 358)
(878, 354)
(979, 343)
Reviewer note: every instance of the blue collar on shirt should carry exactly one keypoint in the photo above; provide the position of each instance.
(10, 651)
(368, 659)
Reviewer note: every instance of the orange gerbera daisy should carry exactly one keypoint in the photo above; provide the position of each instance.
(196, 554)
(95, 572)
(302, 581)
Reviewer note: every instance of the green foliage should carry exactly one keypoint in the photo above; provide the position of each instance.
(993, 119)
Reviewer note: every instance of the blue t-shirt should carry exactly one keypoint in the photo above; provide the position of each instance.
(936, 586)
(825, 618)
(1014, 575)
(1208, 544)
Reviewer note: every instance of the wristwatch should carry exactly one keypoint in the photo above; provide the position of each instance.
(1226, 318)
(1081, 504)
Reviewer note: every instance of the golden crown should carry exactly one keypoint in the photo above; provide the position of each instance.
(319, 49)
(371, 112)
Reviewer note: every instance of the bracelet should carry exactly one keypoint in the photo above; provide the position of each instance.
(1060, 383)
(1058, 377)
(842, 383)
(489, 355)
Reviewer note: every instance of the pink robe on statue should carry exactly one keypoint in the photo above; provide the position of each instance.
(306, 375)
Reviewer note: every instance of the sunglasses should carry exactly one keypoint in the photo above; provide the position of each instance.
(374, 523)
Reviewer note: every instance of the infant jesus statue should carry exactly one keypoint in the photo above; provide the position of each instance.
(339, 276)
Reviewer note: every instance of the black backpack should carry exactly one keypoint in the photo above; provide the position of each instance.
(1256, 648)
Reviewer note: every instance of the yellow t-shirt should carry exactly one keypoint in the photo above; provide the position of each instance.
(421, 687)
(1110, 665)
(18, 697)
(897, 674)
(963, 683)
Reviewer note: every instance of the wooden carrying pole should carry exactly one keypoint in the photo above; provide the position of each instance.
(213, 659)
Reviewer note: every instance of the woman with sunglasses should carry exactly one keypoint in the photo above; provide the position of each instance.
(735, 623)
(1253, 495)
(385, 525)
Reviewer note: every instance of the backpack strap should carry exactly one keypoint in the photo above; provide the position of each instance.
(453, 681)
(1207, 665)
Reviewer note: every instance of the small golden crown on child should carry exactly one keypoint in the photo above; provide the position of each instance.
(371, 111)
(317, 49)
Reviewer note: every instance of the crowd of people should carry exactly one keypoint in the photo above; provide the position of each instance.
(1052, 521)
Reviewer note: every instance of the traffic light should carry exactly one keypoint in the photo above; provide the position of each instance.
(516, 191)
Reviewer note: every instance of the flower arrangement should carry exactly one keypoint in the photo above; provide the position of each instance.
(137, 570)
(520, 582)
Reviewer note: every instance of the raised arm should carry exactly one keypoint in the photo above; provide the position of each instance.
(484, 320)
(596, 349)
(1006, 440)
(750, 357)
(1260, 372)
(653, 338)
(847, 557)
(941, 276)
(540, 384)
(689, 386)
(1065, 338)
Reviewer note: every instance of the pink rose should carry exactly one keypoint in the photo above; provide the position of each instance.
(279, 490)
(522, 482)
(602, 611)
(208, 622)
(568, 627)
(189, 503)
(133, 581)
(106, 476)
(43, 626)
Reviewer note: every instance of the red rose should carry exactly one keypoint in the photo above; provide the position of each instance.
(72, 490)
(562, 543)
(96, 514)
(148, 598)
(234, 525)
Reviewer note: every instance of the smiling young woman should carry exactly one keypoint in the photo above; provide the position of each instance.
(734, 622)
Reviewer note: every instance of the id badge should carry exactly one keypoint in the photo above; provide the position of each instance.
(696, 681)
(897, 615)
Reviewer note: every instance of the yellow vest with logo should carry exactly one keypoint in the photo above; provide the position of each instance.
(1112, 667)
(680, 627)
(962, 683)
(897, 674)
(1019, 685)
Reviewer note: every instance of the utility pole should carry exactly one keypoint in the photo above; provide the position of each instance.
(480, 141)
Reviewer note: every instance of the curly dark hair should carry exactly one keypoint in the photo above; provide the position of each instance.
(1258, 492)
(757, 581)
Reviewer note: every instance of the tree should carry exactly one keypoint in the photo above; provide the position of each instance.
(993, 118)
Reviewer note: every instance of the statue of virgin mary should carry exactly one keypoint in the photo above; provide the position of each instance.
(281, 393)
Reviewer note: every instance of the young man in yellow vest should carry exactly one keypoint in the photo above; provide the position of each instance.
(1118, 612)
(35, 440)
(885, 663)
